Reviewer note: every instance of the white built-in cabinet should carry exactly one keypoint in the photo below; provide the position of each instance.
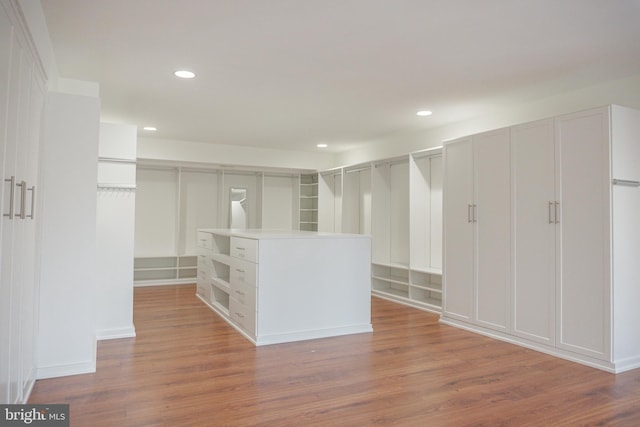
(276, 286)
(541, 232)
(477, 229)
(22, 88)
(173, 202)
(397, 201)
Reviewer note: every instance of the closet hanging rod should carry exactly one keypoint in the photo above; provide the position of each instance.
(393, 162)
(364, 168)
(117, 187)
(116, 160)
(626, 182)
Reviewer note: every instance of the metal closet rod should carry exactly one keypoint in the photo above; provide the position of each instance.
(116, 160)
(117, 186)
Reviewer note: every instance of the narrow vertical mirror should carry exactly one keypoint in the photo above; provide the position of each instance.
(239, 210)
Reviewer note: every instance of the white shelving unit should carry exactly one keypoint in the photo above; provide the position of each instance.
(308, 202)
(397, 201)
(172, 202)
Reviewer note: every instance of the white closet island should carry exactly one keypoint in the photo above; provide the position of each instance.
(277, 286)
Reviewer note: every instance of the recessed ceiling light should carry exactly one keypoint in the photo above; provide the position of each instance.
(322, 145)
(184, 74)
(423, 113)
(149, 128)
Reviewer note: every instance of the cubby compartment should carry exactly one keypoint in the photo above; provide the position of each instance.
(426, 288)
(221, 244)
(389, 288)
(388, 280)
(164, 269)
(220, 275)
(425, 296)
(220, 299)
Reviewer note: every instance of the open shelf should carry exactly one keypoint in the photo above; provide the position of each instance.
(308, 202)
(390, 287)
(165, 269)
(221, 283)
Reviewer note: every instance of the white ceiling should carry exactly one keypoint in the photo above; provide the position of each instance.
(294, 73)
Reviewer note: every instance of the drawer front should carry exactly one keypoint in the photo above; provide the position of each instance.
(244, 294)
(242, 316)
(204, 290)
(205, 240)
(204, 258)
(243, 272)
(246, 249)
(204, 275)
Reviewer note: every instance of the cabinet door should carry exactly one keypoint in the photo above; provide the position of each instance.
(492, 218)
(583, 185)
(533, 231)
(7, 166)
(458, 229)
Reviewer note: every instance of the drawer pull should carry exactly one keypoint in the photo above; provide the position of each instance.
(240, 248)
(240, 293)
(239, 271)
(240, 315)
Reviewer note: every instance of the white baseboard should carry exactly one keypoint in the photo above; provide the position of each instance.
(553, 351)
(144, 283)
(116, 333)
(66, 370)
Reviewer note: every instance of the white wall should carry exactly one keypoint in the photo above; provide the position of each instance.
(67, 341)
(115, 231)
(624, 92)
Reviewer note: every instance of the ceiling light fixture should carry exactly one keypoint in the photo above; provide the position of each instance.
(322, 145)
(423, 113)
(149, 128)
(184, 74)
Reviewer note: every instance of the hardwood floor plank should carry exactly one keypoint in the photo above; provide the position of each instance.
(188, 367)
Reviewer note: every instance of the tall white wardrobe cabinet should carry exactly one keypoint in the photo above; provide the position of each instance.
(22, 89)
(541, 229)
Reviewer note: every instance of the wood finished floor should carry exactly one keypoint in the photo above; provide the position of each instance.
(187, 367)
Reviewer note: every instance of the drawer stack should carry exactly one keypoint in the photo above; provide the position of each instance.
(243, 280)
(205, 266)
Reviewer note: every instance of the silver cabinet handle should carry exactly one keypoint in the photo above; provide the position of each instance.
(23, 195)
(550, 208)
(32, 215)
(469, 207)
(626, 182)
(12, 182)
(239, 271)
